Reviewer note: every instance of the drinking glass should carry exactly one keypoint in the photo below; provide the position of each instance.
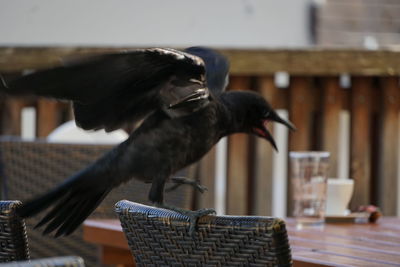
(308, 180)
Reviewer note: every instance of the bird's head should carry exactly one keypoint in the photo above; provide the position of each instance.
(217, 67)
(252, 113)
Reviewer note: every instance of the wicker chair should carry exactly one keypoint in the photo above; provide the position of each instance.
(14, 250)
(28, 169)
(13, 239)
(159, 237)
(69, 261)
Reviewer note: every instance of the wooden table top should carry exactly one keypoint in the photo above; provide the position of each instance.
(339, 244)
(347, 244)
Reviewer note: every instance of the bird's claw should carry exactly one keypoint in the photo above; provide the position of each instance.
(193, 215)
(183, 180)
(201, 188)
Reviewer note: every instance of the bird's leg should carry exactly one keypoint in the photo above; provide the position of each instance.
(157, 197)
(178, 181)
(193, 215)
(156, 194)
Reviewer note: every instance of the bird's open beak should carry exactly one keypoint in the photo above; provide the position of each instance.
(263, 130)
(273, 116)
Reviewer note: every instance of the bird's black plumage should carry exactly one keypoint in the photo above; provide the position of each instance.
(186, 112)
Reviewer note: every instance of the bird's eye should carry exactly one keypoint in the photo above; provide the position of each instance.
(266, 114)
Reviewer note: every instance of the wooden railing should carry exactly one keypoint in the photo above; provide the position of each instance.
(314, 100)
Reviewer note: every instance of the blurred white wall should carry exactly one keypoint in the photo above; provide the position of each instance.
(218, 23)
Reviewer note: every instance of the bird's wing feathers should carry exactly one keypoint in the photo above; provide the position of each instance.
(109, 90)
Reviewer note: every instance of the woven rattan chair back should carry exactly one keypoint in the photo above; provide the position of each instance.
(159, 237)
(28, 169)
(68, 261)
(13, 239)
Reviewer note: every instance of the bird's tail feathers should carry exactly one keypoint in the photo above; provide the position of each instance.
(38, 204)
(72, 202)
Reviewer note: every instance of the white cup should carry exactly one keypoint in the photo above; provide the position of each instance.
(339, 192)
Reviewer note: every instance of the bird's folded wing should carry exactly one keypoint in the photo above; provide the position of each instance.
(109, 90)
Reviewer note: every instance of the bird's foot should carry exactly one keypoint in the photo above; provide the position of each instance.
(183, 180)
(193, 215)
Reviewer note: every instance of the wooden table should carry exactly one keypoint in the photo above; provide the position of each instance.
(333, 245)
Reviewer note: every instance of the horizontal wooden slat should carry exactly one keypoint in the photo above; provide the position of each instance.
(314, 62)
(243, 62)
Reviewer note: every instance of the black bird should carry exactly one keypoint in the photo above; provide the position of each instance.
(180, 96)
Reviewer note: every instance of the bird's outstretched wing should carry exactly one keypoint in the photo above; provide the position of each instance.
(217, 68)
(109, 90)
